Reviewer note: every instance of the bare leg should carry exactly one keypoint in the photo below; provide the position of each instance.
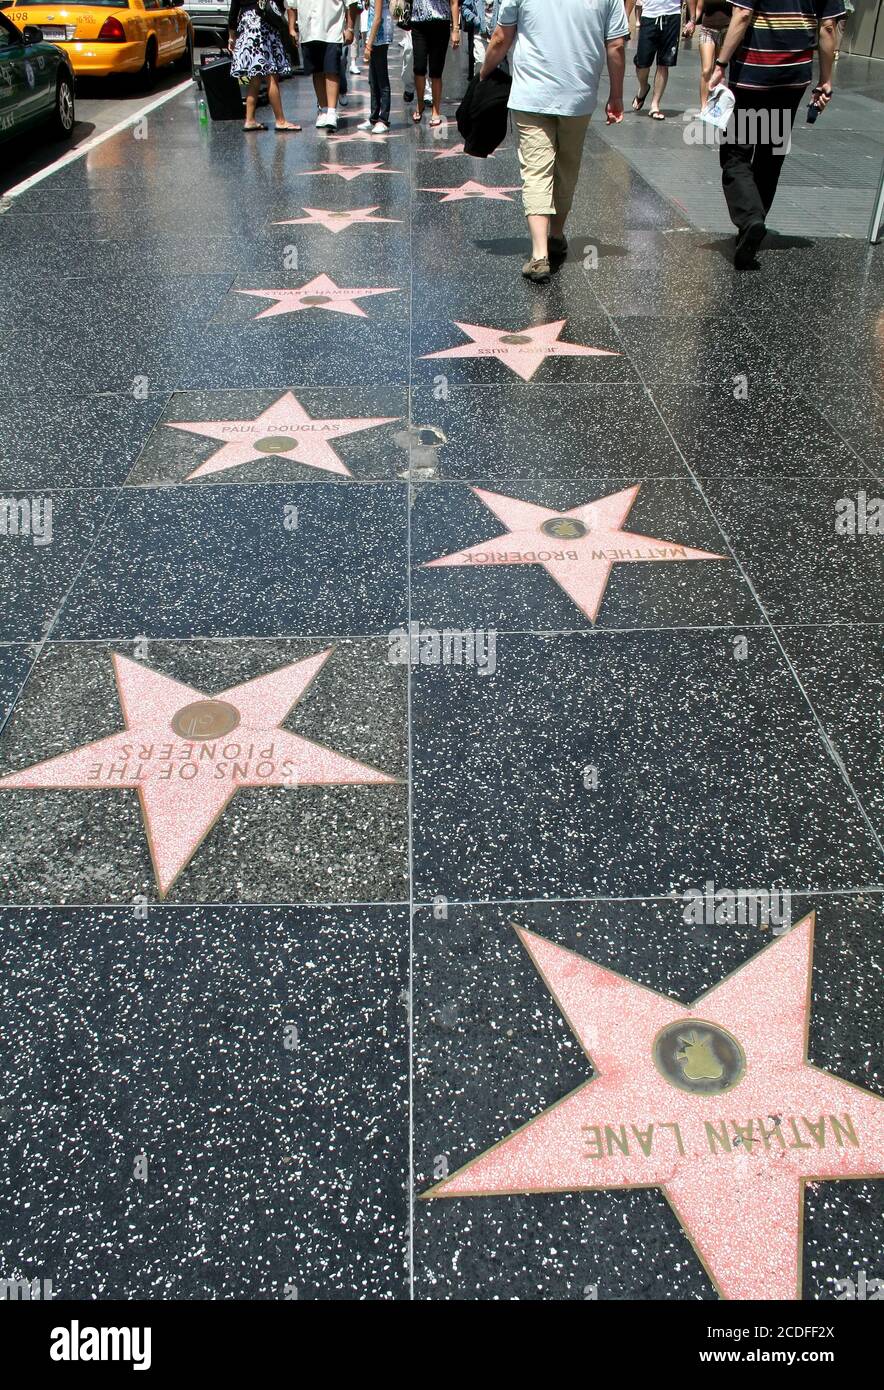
(707, 63)
(333, 89)
(252, 91)
(661, 77)
(642, 77)
(538, 226)
(436, 89)
(276, 104)
(319, 89)
(420, 87)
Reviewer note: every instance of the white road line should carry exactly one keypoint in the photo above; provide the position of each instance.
(96, 140)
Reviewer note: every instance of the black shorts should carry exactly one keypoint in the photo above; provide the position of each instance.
(658, 38)
(321, 57)
(431, 38)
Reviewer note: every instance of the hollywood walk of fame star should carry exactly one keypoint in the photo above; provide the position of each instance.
(187, 753)
(716, 1104)
(364, 135)
(319, 293)
(578, 548)
(471, 189)
(334, 221)
(349, 172)
(453, 153)
(283, 430)
(523, 351)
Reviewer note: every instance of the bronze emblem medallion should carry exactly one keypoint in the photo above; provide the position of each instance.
(564, 528)
(205, 719)
(699, 1057)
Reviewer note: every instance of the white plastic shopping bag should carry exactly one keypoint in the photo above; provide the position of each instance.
(718, 108)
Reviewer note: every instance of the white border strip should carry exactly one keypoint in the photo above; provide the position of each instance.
(95, 141)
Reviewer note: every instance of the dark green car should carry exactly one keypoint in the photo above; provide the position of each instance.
(36, 83)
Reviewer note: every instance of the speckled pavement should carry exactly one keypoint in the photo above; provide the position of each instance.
(440, 774)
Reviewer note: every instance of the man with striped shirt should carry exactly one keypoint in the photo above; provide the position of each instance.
(769, 49)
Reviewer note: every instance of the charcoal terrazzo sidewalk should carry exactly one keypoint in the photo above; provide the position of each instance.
(293, 932)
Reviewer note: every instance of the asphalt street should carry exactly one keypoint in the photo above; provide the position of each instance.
(102, 103)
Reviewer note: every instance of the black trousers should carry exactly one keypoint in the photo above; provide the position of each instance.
(753, 149)
(430, 38)
(379, 83)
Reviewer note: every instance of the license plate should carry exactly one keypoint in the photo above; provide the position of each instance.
(54, 33)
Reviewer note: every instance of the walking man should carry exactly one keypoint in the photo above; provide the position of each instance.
(769, 49)
(322, 27)
(659, 31)
(557, 56)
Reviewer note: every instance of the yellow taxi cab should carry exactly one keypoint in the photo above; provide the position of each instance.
(113, 36)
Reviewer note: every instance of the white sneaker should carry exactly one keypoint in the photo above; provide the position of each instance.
(331, 120)
(365, 125)
(354, 69)
(320, 119)
(380, 128)
(343, 100)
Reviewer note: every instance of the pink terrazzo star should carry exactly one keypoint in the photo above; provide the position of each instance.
(578, 549)
(453, 153)
(320, 293)
(716, 1104)
(523, 350)
(471, 189)
(365, 135)
(334, 221)
(349, 172)
(283, 430)
(187, 753)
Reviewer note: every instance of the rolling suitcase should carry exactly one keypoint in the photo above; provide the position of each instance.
(223, 92)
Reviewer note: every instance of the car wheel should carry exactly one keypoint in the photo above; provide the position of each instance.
(64, 117)
(148, 74)
(185, 62)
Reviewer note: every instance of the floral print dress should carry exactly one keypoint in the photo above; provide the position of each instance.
(259, 50)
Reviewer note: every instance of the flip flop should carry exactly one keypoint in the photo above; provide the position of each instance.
(656, 116)
(436, 121)
(640, 98)
(287, 129)
(417, 116)
(257, 126)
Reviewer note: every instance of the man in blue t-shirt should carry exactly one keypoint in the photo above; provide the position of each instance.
(557, 56)
(769, 47)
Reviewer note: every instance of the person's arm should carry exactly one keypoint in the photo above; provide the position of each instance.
(455, 23)
(692, 19)
(828, 41)
(741, 19)
(615, 50)
(232, 23)
(376, 24)
(350, 22)
(293, 22)
(499, 46)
